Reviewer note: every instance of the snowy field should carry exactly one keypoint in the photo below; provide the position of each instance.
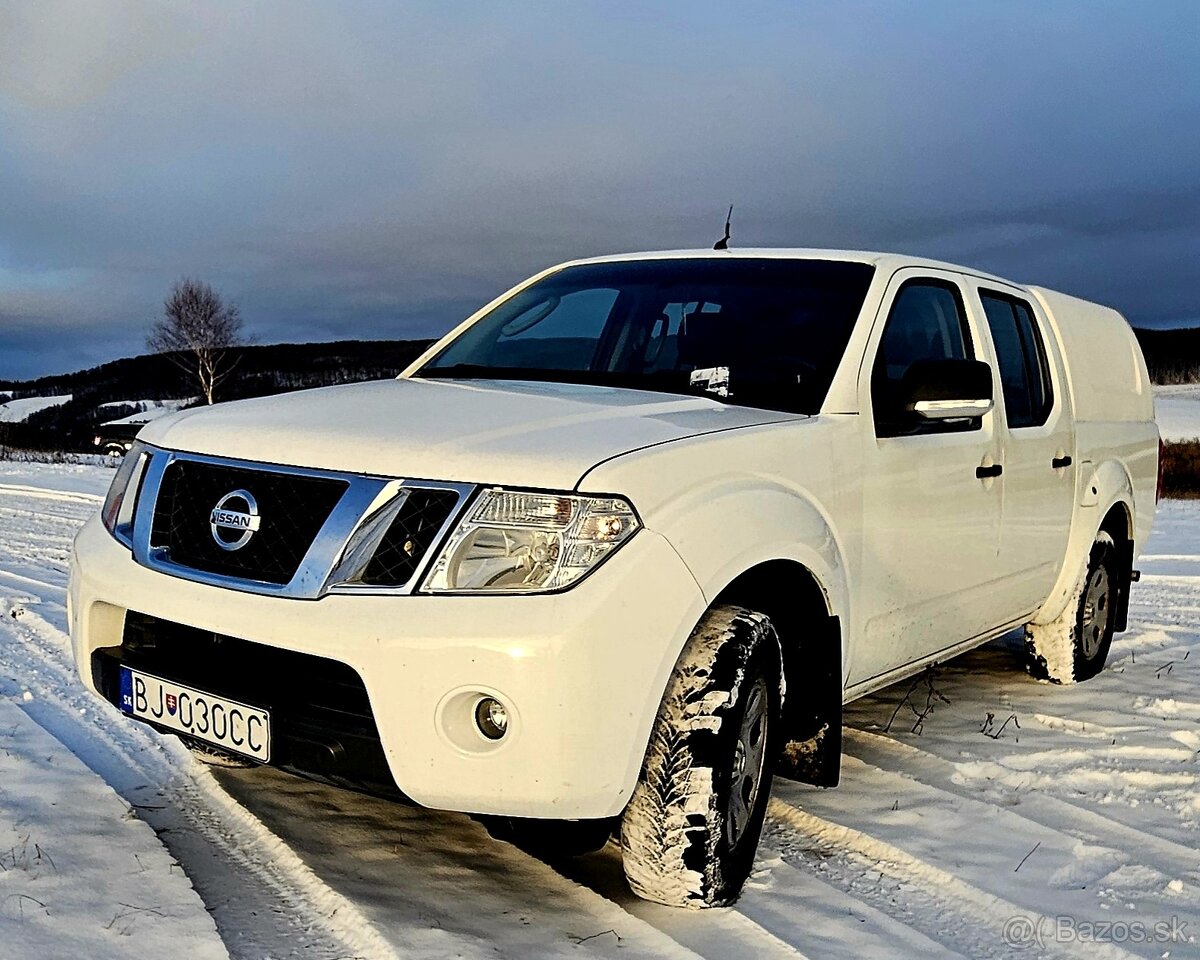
(1017, 819)
(1177, 410)
(18, 411)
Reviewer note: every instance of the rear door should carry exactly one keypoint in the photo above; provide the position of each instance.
(1037, 443)
(931, 496)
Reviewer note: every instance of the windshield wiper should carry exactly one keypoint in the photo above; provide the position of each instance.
(464, 371)
(673, 382)
(479, 371)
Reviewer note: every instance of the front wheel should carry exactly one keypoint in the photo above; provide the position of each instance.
(689, 834)
(1074, 647)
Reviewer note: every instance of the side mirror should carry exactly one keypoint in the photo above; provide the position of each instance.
(946, 389)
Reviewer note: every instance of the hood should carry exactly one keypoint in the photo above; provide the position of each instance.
(478, 431)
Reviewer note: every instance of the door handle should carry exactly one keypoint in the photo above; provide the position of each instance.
(1059, 463)
(986, 473)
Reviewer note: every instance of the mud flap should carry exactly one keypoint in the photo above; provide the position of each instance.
(813, 710)
(1125, 558)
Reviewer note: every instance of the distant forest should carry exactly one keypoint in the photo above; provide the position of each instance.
(1173, 356)
(259, 371)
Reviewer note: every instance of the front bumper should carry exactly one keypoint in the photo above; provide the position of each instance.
(582, 671)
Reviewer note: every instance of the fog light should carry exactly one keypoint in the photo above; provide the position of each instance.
(491, 717)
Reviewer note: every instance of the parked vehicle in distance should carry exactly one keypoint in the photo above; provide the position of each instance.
(116, 438)
(615, 551)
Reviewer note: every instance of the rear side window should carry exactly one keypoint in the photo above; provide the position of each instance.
(926, 322)
(1021, 354)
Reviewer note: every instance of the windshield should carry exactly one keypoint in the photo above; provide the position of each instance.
(756, 332)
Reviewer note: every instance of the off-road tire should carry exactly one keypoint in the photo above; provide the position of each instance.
(680, 843)
(1074, 647)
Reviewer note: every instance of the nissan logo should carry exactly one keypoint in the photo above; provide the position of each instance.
(234, 520)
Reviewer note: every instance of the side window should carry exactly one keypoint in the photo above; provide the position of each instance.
(1021, 355)
(926, 322)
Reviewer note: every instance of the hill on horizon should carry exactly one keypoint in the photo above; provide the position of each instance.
(259, 370)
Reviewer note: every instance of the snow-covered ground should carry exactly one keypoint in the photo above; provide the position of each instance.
(18, 411)
(82, 875)
(1177, 410)
(1018, 819)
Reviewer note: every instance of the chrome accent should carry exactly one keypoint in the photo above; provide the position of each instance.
(951, 409)
(749, 762)
(123, 532)
(341, 548)
(1096, 612)
(223, 519)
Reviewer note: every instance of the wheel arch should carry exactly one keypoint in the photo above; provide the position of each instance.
(1118, 522)
(1106, 503)
(759, 543)
(811, 641)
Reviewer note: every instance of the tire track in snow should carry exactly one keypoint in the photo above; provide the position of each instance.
(941, 905)
(400, 862)
(792, 899)
(31, 583)
(953, 829)
(1162, 854)
(44, 493)
(717, 934)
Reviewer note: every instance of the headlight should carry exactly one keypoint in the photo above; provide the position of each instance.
(513, 541)
(117, 512)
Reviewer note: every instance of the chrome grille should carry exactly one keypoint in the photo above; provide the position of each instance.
(292, 510)
(315, 532)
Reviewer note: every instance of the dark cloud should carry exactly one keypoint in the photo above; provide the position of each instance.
(378, 169)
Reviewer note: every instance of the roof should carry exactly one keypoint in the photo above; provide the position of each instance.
(883, 261)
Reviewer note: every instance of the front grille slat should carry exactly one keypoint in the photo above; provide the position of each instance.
(292, 508)
(409, 537)
(268, 676)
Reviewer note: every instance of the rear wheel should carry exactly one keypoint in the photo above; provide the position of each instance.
(689, 834)
(1074, 647)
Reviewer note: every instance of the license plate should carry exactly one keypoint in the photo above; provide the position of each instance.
(224, 723)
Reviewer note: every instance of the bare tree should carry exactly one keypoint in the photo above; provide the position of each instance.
(196, 330)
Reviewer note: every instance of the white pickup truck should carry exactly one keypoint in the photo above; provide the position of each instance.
(616, 551)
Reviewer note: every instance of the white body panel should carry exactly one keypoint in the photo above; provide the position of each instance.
(918, 557)
(536, 434)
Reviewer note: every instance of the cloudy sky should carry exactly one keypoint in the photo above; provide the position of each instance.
(371, 170)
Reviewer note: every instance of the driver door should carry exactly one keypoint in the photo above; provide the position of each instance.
(932, 504)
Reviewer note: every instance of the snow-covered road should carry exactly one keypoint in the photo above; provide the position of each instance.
(1019, 819)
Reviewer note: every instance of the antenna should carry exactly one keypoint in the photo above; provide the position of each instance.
(723, 243)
